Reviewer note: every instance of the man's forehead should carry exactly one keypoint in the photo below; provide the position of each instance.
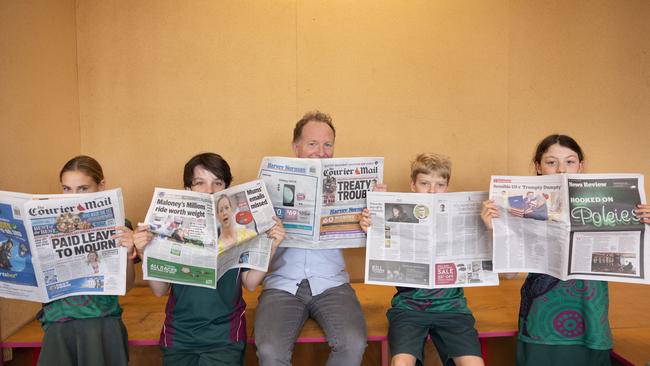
(317, 130)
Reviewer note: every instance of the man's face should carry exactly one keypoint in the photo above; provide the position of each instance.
(429, 183)
(316, 141)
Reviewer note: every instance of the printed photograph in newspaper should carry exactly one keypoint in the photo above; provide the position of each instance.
(235, 222)
(529, 204)
(408, 213)
(622, 263)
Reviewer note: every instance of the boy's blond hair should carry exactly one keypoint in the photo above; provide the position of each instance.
(428, 163)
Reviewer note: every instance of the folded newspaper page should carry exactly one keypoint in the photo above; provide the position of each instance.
(320, 200)
(251, 254)
(199, 236)
(571, 226)
(55, 246)
(428, 240)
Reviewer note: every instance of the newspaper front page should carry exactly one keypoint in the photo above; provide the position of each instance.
(571, 226)
(199, 236)
(320, 200)
(428, 241)
(55, 246)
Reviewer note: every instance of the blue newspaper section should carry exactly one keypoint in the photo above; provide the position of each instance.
(15, 255)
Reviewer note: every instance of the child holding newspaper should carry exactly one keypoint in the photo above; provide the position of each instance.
(441, 313)
(206, 326)
(562, 322)
(85, 329)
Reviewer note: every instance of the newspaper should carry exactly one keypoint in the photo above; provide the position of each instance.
(199, 236)
(571, 226)
(320, 200)
(55, 246)
(252, 254)
(428, 241)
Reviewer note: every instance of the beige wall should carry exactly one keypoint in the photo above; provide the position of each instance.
(582, 67)
(479, 81)
(39, 108)
(158, 81)
(162, 81)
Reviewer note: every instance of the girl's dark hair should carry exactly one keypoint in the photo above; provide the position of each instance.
(86, 165)
(212, 162)
(562, 140)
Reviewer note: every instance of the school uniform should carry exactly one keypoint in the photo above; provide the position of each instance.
(84, 330)
(205, 326)
(563, 322)
(440, 313)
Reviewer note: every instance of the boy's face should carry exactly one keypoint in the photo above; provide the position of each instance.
(429, 183)
(205, 181)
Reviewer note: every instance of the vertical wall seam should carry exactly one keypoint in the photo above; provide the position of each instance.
(76, 57)
(296, 57)
(509, 88)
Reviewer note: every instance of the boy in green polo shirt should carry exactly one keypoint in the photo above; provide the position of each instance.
(205, 326)
(440, 313)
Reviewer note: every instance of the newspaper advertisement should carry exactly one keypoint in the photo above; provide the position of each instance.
(199, 236)
(55, 246)
(571, 226)
(430, 241)
(320, 200)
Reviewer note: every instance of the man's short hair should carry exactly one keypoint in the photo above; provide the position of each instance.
(211, 162)
(428, 163)
(316, 116)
